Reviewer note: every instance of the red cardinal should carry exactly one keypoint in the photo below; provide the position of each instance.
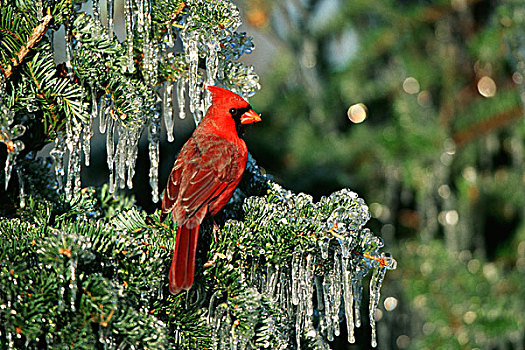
(204, 176)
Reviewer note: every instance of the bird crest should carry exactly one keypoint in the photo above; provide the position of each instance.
(220, 94)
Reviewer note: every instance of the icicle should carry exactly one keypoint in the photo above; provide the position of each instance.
(69, 47)
(110, 7)
(357, 290)
(212, 66)
(328, 305)
(22, 193)
(181, 98)
(128, 15)
(282, 292)
(167, 109)
(336, 292)
(94, 105)
(72, 184)
(324, 245)
(153, 137)
(375, 292)
(149, 50)
(72, 282)
(169, 30)
(120, 157)
(103, 114)
(192, 55)
(110, 150)
(96, 10)
(8, 167)
(211, 306)
(308, 292)
(348, 299)
(319, 292)
(298, 325)
(298, 274)
(140, 16)
(61, 278)
(271, 281)
(68, 189)
(296, 266)
(132, 150)
(154, 67)
(346, 245)
(125, 156)
(88, 133)
(57, 153)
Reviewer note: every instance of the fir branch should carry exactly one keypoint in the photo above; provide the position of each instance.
(487, 125)
(14, 29)
(210, 15)
(166, 12)
(59, 98)
(35, 37)
(101, 62)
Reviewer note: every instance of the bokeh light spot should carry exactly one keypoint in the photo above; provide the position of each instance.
(517, 78)
(487, 87)
(469, 317)
(357, 113)
(423, 98)
(390, 303)
(411, 85)
(403, 341)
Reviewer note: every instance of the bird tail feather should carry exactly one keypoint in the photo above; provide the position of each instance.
(182, 268)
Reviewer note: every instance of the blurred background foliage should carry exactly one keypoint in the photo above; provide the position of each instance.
(417, 106)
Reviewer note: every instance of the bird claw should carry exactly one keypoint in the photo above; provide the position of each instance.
(212, 261)
(216, 232)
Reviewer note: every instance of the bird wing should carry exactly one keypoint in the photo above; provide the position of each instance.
(208, 168)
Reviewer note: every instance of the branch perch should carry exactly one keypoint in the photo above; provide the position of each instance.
(36, 35)
(463, 137)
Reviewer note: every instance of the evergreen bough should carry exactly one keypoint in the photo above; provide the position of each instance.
(87, 268)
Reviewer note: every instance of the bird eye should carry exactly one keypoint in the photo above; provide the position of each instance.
(233, 112)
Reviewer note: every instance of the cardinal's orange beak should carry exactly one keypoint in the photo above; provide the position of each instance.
(250, 117)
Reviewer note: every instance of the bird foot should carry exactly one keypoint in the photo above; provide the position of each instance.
(216, 232)
(215, 257)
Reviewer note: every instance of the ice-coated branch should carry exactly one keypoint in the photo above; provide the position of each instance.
(36, 35)
(128, 84)
(207, 31)
(282, 274)
(305, 260)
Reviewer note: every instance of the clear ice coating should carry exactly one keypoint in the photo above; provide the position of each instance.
(88, 131)
(110, 8)
(212, 66)
(22, 194)
(8, 135)
(181, 99)
(68, 48)
(57, 154)
(154, 138)
(103, 112)
(128, 16)
(73, 142)
(96, 10)
(110, 151)
(191, 50)
(167, 110)
(313, 287)
(208, 33)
